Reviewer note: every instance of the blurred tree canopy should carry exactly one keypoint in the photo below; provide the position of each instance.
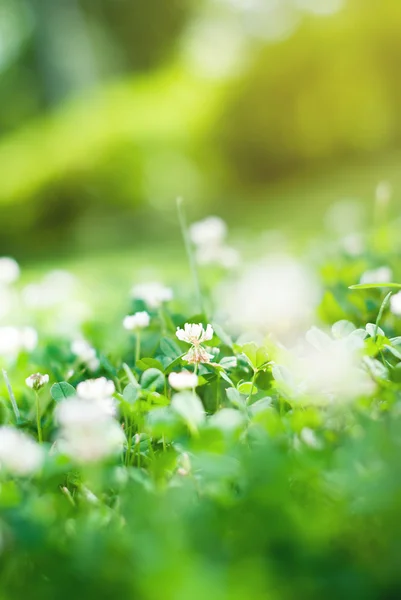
(101, 108)
(329, 92)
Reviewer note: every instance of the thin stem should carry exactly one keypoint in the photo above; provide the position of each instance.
(12, 397)
(162, 320)
(380, 314)
(195, 373)
(190, 254)
(252, 385)
(138, 346)
(38, 423)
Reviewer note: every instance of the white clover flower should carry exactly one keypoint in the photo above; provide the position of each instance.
(9, 270)
(395, 304)
(183, 381)
(86, 354)
(209, 231)
(98, 391)
(14, 340)
(36, 381)
(380, 275)
(194, 333)
(139, 320)
(87, 433)
(20, 455)
(196, 355)
(153, 294)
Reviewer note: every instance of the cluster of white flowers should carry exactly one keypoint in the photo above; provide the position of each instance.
(276, 295)
(209, 237)
(327, 368)
(36, 381)
(380, 275)
(86, 354)
(140, 320)
(20, 455)
(88, 431)
(196, 335)
(183, 381)
(14, 340)
(154, 294)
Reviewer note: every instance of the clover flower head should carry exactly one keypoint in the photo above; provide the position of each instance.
(153, 294)
(99, 392)
(19, 454)
(36, 381)
(183, 381)
(194, 333)
(139, 320)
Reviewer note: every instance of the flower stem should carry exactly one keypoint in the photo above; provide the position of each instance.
(38, 423)
(138, 346)
(190, 254)
(379, 316)
(252, 386)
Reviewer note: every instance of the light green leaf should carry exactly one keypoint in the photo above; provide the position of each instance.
(62, 391)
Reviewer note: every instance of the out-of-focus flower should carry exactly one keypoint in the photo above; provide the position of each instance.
(225, 256)
(87, 434)
(383, 194)
(9, 270)
(153, 294)
(380, 275)
(211, 231)
(36, 381)
(54, 289)
(14, 340)
(20, 455)
(353, 244)
(139, 320)
(184, 464)
(208, 236)
(276, 295)
(86, 354)
(98, 391)
(395, 304)
(183, 381)
(325, 369)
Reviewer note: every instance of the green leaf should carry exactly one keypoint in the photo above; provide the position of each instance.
(130, 393)
(371, 286)
(170, 348)
(152, 380)
(190, 409)
(247, 388)
(62, 391)
(131, 377)
(149, 363)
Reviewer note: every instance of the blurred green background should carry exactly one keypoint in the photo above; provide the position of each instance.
(262, 111)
